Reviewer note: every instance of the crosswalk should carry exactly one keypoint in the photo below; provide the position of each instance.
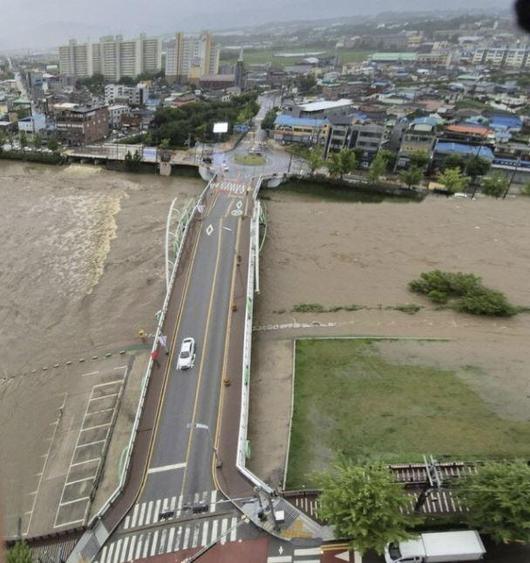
(188, 535)
(230, 187)
(152, 511)
(301, 555)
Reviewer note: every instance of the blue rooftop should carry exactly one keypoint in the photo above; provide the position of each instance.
(444, 147)
(429, 120)
(505, 122)
(290, 121)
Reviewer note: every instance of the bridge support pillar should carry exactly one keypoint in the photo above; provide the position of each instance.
(165, 169)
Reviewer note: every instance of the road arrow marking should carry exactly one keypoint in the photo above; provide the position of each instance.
(227, 229)
(345, 556)
(209, 230)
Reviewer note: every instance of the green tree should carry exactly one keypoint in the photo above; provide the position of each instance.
(525, 190)
(377, 168)
(498, 498)
(165, 144)
(477, 166)
(53, 145)
(305, 84)
(23, 140)
(412, 176)
(37, 141)
(495, 185)
(314, 159)
(453, 180)
(364, 504)
(418, 159)
(268, 121)
(341, 163)
(389, 157)
(19, 553)
(454, 161)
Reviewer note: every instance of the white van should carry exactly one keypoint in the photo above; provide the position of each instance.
(437, 547)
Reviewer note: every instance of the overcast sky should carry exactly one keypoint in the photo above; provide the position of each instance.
(39, 23)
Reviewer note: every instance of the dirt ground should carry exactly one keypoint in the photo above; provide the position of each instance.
(342, 253)
(82, 271)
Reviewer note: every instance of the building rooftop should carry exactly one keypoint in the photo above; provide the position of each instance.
(469, 128)
(324, 105)
(443, 147)
(290, 121)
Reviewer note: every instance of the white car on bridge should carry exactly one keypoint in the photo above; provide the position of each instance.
(186, 358)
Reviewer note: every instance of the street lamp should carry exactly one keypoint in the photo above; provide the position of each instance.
(200, 426)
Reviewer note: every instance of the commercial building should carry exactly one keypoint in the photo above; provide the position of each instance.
(303, 130)
(81, 125)
(114, 57)
(320, 109)
(32, 124)
(121, 94)
(188, 57)
(418, 136)
(117, 113)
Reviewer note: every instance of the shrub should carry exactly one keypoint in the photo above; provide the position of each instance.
(486, 302)
(467, 292)
(308, 308)
(409, 308)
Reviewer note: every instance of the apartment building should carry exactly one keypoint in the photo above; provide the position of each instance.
(112, 56)
(188, 57)
(81, 125)
(502, 56)
(122, 94)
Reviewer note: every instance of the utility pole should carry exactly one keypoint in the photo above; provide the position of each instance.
(512, 177)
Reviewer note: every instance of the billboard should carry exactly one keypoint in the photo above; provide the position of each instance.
(149, 154)
(221, 127)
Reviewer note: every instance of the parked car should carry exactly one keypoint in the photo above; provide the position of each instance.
(186, 357)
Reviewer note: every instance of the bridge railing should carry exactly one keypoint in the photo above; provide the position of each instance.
(145, 383)
(243, 447)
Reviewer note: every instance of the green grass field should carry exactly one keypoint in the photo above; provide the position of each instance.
(250, 159)
(262, 56)
(350, 401)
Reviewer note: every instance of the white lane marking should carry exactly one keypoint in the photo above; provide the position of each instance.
(163, 537)
(307, 551)
(205, 527)
(134, 516)
(121, 367)
(81, 480)
(179, 537)
(97, 426)
(98, 459)
(142, 513)
(111, 551)
(170, 540)
(123, 555)
(280, 559)
(82, 499)
(209, 230)
(156, 511)
(146, 546)
(139, 546)
(148, 515)
(186, 538)
(179, 505)
(196, 531)
(154, 544)
(224, 527)
(213, 500)
(195, 498)
(117, 552)
(166, 468)
(233, 529)
(90, 444)
(215, 524)
(131, 548)
(89, 374)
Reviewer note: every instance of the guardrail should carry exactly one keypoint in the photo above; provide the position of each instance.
(242, 448)
(147, 375)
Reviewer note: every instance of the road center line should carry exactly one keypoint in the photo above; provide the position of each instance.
(166, 468)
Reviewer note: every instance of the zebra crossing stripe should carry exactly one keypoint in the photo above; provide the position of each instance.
(215, 525)
(157, 510)
(224, 527)
(117, 552)
(123, 556)
(148, 515)
(233, 530)
(179, 506)
(186, 538)
(135, 515)
(173, 503)
(153, 545)
(146, 546)
(213, 500)
(163, 537)
(196, 531)
(126, 524)
(179, 537)
(205, 527)
(103, 554)
(111, 551)
(139, 546)
(170, 540)
(131, 548)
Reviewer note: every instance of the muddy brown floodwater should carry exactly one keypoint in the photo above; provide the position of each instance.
(340, 253)
(82, 259)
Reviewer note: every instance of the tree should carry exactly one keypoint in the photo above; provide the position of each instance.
(477, 166)
(23, 139)
(525, 190)
(127, 81)
(53, 145)
(390, 159)
(19, 553)
(364, 504)
(498, 498)
(495, 185)
(314, 159)
(453, 180)
(454, 161)
(37, 141)
(165, 144)
(412, 176)
(267, 122)
(305, 83)
(419, 159)
(341, 163)
(377, 168)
